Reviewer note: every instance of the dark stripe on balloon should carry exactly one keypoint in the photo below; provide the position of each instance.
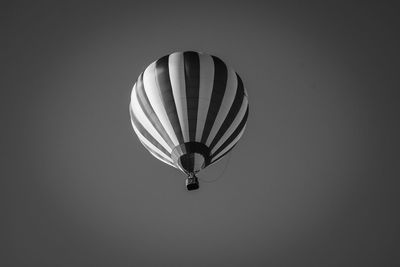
(192, 81)
(165, 87)
(147, 135)
(233, 111)
(149, 111)
(216, 159)
(234, 134)
(220, 79)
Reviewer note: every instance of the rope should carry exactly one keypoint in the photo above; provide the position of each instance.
(220, 175)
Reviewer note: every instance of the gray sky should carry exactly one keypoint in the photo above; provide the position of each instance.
(313, 181)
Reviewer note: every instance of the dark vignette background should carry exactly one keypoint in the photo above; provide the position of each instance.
(313, 182)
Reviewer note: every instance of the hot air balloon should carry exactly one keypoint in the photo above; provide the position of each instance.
(189, 109)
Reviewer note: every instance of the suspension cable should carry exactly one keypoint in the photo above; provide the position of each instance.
(222, 172)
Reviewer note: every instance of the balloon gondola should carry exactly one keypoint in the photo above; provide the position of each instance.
(189, 110)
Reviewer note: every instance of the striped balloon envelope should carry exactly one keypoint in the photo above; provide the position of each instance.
(189, 109)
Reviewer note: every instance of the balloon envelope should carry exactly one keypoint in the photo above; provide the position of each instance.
(189, 109)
